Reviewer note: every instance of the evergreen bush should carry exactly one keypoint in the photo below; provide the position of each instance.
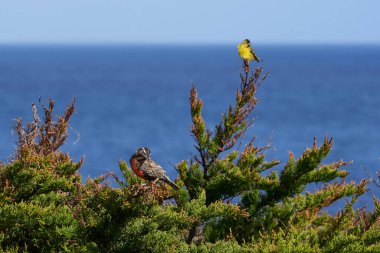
(229, 200)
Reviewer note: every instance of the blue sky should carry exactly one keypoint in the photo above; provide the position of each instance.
(196, 21)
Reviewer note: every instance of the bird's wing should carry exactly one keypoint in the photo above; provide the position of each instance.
(152, 170)
(254, 55)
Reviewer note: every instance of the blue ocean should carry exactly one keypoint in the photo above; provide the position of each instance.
(132, 96)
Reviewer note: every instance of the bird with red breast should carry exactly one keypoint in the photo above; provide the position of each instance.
(144, 167)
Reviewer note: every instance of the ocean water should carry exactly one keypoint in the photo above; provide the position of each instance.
(132, 96)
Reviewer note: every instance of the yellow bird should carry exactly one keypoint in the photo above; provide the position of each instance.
(246, 52)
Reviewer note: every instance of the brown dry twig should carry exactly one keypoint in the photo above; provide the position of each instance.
(44, 136)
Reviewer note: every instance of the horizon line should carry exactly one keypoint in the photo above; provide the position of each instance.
(186, 44)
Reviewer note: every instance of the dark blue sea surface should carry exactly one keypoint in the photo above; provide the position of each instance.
(131, 96)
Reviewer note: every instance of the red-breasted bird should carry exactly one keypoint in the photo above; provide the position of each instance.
(147, 169)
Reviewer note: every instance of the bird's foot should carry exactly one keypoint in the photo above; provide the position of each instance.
(140, 189)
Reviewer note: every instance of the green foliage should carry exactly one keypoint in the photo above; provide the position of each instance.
(41, 228)
(37, 189)
(228, 201)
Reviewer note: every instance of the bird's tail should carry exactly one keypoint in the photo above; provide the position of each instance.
(169, 182)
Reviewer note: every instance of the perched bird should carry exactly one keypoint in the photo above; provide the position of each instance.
(148, 169)
(246, 52)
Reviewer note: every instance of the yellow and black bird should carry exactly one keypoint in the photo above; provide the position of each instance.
(246, 52)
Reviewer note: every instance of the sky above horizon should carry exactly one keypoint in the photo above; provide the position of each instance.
(189, 22)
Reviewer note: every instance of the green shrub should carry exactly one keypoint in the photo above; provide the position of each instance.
(229, 201)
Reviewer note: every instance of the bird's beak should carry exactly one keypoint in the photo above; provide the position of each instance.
(146, 155)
